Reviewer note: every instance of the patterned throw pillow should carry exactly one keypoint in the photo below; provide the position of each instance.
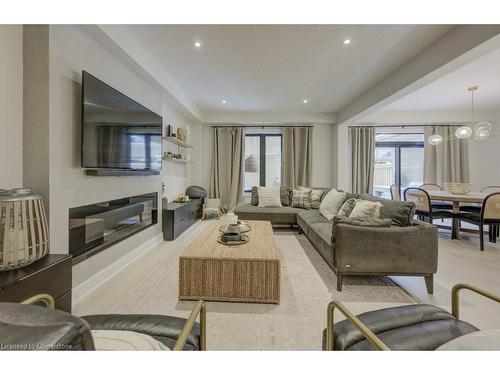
(316, 195)
(347, 207)
(301, 199)
(366, 209)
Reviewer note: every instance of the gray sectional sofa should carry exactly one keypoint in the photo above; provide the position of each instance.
(406, 247)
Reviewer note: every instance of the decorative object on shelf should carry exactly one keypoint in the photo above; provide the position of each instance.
(458, 188)
(233, 237)
(181, 134)
(251, 164)
(169, 155)
(242, 225)
(478, 131)
(24, 233)
(169, 130)
(181, 198)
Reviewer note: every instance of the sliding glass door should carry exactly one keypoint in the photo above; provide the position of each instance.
(399, 159)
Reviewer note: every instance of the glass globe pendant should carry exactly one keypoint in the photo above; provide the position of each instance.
(481, 134)
(435, 139)
(463, 132)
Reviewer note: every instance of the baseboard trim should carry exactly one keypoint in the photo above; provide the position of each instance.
(88, 286)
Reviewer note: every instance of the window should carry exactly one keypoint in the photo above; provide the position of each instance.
(262, 160)
(399, 159)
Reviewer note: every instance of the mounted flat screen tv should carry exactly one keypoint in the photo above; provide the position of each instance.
(117, 132)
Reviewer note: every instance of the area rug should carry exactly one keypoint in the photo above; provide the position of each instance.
(308, 285)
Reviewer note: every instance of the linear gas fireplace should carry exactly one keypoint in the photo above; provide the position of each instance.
(95, 227)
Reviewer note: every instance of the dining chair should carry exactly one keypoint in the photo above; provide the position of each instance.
(395, 194)
(488, 215)
(424, 208)
(429, 186)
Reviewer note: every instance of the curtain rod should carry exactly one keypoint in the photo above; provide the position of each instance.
(406, 126)
(262, 126)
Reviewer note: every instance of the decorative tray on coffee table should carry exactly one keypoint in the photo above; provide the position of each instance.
(244, 227)
(244, 239)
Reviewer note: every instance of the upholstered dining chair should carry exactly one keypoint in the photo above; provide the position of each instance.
(477, 207)
(424, 208)
(395, 194)
(488, 215)
(429, 186)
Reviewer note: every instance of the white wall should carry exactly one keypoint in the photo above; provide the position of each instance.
(73, 49)
(11, 106)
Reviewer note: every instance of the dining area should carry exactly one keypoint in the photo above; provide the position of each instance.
(476, 212)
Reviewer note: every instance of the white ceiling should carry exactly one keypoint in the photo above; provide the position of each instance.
(274, 67)
(450, 92)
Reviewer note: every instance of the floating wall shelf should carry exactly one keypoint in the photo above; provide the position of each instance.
(177, 142)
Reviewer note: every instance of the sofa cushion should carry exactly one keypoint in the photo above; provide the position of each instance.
(276, 215)
(285, 195)
(331, 203)
(301, 198)
(254, 199)
(370, 222)
(365, 208)
(400, 212)
(269, 196)
(320, 236)
(347, 207)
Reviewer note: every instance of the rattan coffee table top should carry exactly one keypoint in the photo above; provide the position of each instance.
(260, 246)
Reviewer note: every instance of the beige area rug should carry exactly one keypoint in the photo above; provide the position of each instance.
(308, 285)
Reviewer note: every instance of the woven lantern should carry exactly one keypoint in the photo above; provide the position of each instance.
(251, 164)
(24, 234)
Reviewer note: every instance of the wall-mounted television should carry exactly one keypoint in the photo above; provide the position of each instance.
(117, 132)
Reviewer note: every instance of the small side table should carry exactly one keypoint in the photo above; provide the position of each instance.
(50, 275)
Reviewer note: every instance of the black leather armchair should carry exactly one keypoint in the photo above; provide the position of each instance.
(29, 327)
(411, 327)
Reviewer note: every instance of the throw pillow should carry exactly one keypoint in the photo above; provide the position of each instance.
(347, 206)
(254, 200)
(301, 199)
(316, 195)
(368, 222)
(401, 212)
(331, 203)
(269, 196)
(366, 209)
(125, 340)
(285, 195)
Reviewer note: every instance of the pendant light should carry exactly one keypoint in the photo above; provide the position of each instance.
(251, 164)
(435, 139)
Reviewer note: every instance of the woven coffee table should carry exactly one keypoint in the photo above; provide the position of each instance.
(250, 272)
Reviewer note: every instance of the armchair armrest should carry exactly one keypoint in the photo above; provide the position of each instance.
(455, 303)
(370, 336)
(46, 299)
(199, 309)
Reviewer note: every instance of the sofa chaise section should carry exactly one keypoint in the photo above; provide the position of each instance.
(276, 215)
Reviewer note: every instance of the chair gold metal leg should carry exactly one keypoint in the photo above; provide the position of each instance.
(199, 309)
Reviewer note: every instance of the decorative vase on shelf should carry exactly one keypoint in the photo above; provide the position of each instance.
(24, 233)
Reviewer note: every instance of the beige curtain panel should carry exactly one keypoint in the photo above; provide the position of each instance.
(447, 162)
(362, 159)
(227, 167)
(297, 156)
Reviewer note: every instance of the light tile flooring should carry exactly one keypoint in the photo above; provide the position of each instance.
(150, 286)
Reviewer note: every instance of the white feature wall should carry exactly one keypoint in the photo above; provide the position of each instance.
(11, 106)
(73, 49)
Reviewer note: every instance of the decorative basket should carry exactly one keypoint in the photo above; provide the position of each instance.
(458, 188)
(24, 234)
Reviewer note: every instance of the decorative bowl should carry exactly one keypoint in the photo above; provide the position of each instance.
(458, 188)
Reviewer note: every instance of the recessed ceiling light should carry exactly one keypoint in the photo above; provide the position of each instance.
(224, 101)
(197, 44)
(306, 101)
(347, 41)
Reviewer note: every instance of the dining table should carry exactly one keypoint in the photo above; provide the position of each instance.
(456, 199)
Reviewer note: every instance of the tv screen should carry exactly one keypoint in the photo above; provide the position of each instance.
(117, 132)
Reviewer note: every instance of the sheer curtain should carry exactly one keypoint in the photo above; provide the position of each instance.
(226, 181)
(362, 159)
(296, 156)
(447, 162)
